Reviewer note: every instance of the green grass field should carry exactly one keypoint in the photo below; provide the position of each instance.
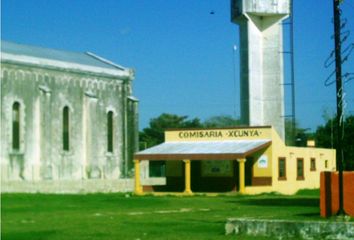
(122, 216)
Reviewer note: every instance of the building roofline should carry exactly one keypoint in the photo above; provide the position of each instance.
(105, 61)
(133, 99)
(216, 128)
(126, 74)
(50, 58)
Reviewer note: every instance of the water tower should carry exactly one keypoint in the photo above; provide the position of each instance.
(261, 57)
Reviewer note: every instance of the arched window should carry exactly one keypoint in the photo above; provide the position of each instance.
(110, 131)
(66, 133)
(5, 75)
(16, 126)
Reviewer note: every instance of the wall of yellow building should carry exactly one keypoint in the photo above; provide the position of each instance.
(311, 178)
(262, 172)
(276, 142)
(258, 190)
(291, 185)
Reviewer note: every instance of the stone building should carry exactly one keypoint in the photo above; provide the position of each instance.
(64, 116)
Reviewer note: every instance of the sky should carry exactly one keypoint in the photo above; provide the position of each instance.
(183, 56)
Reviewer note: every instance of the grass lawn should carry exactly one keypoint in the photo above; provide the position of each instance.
(121, 216)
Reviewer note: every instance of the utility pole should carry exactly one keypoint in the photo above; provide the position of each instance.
(339, 95)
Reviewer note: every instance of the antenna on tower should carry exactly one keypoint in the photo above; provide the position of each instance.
(291, 116)
(293, 112)
(234, 49)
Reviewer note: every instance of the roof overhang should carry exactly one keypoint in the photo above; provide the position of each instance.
(203, 150)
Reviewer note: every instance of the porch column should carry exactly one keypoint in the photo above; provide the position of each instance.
(138, 190)
(242, 174)
(187, 177)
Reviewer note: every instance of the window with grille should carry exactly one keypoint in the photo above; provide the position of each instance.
(300, 169)
(110, 131)
(66, 133)
(16, 126)
(282, 169)
(312, 164)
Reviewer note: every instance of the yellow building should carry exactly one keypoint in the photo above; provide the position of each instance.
(249, 160)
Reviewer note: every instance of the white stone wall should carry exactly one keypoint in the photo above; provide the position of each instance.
(43, 93)
(69, 186)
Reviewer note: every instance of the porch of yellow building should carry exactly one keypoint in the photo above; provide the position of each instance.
(237, 152)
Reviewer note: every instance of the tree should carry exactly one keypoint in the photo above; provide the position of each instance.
(326, 137)
(290, 140)
(154, 134)
(301, 134)
(221, 121)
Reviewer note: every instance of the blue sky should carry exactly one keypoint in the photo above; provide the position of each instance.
(183, 55)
